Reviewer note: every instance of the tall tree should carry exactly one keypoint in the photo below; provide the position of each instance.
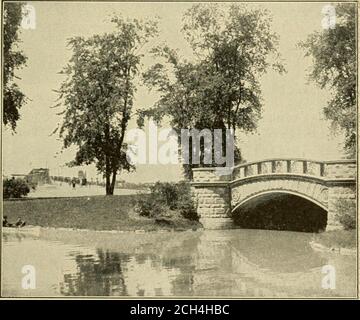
(98, 94)
(220, 88)
(14, 59)
(333, 51)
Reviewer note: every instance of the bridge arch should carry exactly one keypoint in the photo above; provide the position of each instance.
(281, 210)
(278, 191)
(312, 189)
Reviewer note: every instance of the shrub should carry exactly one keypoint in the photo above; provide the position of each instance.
(185, 202)
(149, 207)
(168, 199)
(166, 192)
(15, 188)
(346, 213)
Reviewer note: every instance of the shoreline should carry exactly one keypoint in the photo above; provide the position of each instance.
(139, 231)
(336, 241)
(316, 246)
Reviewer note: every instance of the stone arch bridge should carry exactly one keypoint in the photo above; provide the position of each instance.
(321, 182)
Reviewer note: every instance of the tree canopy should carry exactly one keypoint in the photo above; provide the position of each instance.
(98, 94)
(219, 88)
(13, 98)
(333, 51)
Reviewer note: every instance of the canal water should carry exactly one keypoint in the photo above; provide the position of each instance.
(226, 263)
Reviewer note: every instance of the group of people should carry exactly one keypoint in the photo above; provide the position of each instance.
(18, 224)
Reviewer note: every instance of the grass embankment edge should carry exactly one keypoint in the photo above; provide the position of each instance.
(96, 213)
(339, 241)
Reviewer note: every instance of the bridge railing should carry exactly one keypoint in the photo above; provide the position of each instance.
(278, 166)
(344, 169)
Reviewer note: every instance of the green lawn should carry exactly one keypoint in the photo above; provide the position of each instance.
(337, 239)
(94, 213)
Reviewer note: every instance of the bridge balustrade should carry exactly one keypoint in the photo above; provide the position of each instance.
(280, 166)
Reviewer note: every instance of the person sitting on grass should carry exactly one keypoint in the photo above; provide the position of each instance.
(19, 223)
(6, 223)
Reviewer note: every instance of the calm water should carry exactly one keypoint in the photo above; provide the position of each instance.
(238, 263)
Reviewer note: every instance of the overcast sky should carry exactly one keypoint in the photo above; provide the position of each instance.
(292, 124)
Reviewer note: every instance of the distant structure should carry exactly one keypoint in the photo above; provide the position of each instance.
(18, 176)
(39, 176)
(82, 177)
(120, 183)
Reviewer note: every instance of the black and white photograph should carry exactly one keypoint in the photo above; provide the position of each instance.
(179, 150)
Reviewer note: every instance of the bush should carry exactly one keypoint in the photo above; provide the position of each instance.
(185, 202)
(166, 192)
(346, 213)
(168, 199)
(149, 207)
(15, 188)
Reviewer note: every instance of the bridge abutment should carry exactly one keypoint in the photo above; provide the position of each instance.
(337, 193)
(341, 185)
(213, 198)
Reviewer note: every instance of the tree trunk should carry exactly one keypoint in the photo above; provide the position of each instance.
(112, 185)
(107, 176)
(108, 184)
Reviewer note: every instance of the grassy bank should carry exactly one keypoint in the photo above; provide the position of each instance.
(94, 213)
(337, 239)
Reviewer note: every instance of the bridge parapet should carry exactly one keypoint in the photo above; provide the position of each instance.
(340, 169)
(209, 175)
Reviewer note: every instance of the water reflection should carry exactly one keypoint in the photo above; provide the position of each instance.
(240, 263)
(97, 275)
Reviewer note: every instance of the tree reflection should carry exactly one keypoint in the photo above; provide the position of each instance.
(100, 275)
(181, 256)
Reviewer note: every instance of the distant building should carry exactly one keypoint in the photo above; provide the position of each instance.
(120, 183)
(39, 176)
(82, 177)
(81, 174)
(18, 176)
